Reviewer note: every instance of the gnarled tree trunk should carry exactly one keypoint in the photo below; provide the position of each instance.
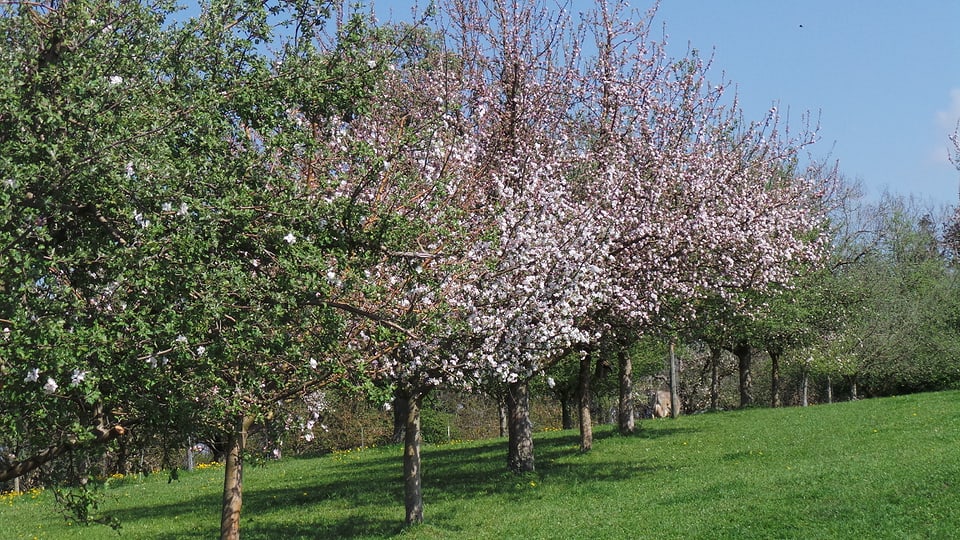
(520, 436)
(412, 490)
(233, 480)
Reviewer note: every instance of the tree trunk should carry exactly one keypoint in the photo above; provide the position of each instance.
(412, 491)
(400, 415)
(775, 378)
(626, 419)
(674, 382)
(520, 443)
(829, 390)
(854, 391)
(745, 357)
(586, 422)
(806, 388)
(233, 481)
(715, 353)
(190, 460)
(566, 417)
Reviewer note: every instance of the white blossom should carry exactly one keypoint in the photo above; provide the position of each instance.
(77, 377)
(290, 238)
(33, 375)
(115, 79)
(51, 386)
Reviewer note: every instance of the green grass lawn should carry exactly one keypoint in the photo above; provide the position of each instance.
(885, 468)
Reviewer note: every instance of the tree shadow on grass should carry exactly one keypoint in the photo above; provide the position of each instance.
(478, 470)
(365, 499)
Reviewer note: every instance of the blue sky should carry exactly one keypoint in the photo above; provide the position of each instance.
(883, 76)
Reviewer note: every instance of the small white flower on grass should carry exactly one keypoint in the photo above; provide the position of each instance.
(151, 361)
(313, 363)
(290, 238)
(33, 375)
(115, 79)
(200, 350)
(51, 386)
(180, 339)
(550, 382)
(183, 209)
(78, 377)
(166, 207)
(371, 64)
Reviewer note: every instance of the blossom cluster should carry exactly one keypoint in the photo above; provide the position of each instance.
(591, 193)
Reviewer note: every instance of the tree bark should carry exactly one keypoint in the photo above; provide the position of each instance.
(233, 481)
(775, 378)
(744, 356)
(627, 422)
(586, 422)
(520, 443)
(715, 353)
(412, 489)
(829, 390)
(674, 382)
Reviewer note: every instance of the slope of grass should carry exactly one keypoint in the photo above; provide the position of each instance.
(887, 468)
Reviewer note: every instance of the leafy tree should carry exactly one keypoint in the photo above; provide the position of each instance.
(901, 332)
(188, 229)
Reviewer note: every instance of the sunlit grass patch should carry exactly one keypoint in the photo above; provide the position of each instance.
(887, 468)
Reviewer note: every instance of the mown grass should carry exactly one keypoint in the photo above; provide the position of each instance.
(886, 468)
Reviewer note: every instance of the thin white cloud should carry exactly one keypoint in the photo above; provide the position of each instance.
(947, 120)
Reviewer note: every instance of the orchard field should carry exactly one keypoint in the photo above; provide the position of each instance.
(216, 219)
(879, 468)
